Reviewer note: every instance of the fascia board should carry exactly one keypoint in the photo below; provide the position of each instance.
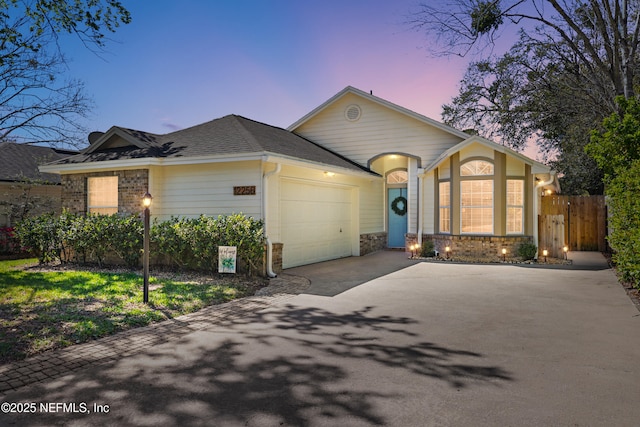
(292, 161)
(152, 161)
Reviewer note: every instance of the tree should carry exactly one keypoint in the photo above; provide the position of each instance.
(37, 102)
(556, 83)
(616, 148)
(616, 145)
(603, 35)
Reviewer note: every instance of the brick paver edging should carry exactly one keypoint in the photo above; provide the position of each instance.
(56, 363)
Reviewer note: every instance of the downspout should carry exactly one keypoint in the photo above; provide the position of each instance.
(421, 175)
(265, 179)
(535, 208)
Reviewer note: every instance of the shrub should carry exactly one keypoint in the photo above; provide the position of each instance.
(428, 249)
(624, 237)
(187, 243)
(42, 235)
(193, 243)
(527, 250)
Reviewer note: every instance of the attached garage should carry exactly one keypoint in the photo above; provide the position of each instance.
(316, 222)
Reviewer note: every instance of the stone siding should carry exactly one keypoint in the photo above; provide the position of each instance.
(132, 184)
(276, 257)
(481, 248)
(372, 242)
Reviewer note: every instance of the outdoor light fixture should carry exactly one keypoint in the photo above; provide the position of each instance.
(146, 202)
(565, 250)
(504, 254)
(544, 254)
(448, 251)
(329, 174)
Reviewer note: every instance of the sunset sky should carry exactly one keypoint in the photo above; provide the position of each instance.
(181, 63)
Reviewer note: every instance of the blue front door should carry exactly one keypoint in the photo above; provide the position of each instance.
(397, 214)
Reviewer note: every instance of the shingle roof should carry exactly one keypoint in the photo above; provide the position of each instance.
(230, 134)
(21, 161)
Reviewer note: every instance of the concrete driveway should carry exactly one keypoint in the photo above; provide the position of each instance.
(429, 344)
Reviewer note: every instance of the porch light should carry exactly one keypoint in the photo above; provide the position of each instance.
(329, 174)
(146, 202)
(504, 254)
(544, 254)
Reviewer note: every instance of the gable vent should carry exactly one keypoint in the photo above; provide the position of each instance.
(352, 113)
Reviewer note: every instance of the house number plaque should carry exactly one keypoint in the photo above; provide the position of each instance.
(244, 190)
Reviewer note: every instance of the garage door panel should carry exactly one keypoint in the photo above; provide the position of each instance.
(316, 222)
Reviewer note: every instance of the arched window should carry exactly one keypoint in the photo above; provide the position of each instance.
(476, 197)
(397, 177)
(476, 168)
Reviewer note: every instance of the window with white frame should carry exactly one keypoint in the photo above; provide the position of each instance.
(102, 195)
(476, 200)
(444, 194)
(476, 197)
(515, 206)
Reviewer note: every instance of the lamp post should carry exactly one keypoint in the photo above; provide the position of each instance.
(504, 254)
(146, 202)
(545, 253)
(447, 251)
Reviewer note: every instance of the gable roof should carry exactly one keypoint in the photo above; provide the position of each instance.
(380, 101)
(227, 136)
(20, 161)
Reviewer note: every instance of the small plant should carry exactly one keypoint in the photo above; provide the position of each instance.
(527, 250)
(428, 249)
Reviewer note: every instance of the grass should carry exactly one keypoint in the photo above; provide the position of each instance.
(43, 310)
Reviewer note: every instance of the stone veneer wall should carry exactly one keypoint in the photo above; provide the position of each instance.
(372, 242)
(276, 257)
(482, 248)
(132, 184)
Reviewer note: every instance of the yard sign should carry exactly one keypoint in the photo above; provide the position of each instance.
(227, 259)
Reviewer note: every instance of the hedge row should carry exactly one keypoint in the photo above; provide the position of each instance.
(181, 242)
(623, 192)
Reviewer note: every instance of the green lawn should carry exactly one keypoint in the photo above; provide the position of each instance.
(45, 310)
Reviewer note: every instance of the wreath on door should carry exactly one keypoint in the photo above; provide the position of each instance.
(399, 206)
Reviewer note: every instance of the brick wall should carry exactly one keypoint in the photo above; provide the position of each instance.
(132, 184)
(481, 248)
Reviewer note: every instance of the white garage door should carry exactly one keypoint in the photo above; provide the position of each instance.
(316, 222)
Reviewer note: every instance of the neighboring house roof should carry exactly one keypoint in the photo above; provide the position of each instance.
(226, 136)
(19, 162)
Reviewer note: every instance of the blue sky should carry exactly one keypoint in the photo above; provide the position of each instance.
(181, 63)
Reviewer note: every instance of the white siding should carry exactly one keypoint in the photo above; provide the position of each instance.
(515, 167)
(379, 130)
(192, 190)
(476, 150)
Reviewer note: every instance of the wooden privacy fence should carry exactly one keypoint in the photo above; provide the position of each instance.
(579, 222)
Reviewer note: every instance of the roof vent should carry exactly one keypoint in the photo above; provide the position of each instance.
(352, 113)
